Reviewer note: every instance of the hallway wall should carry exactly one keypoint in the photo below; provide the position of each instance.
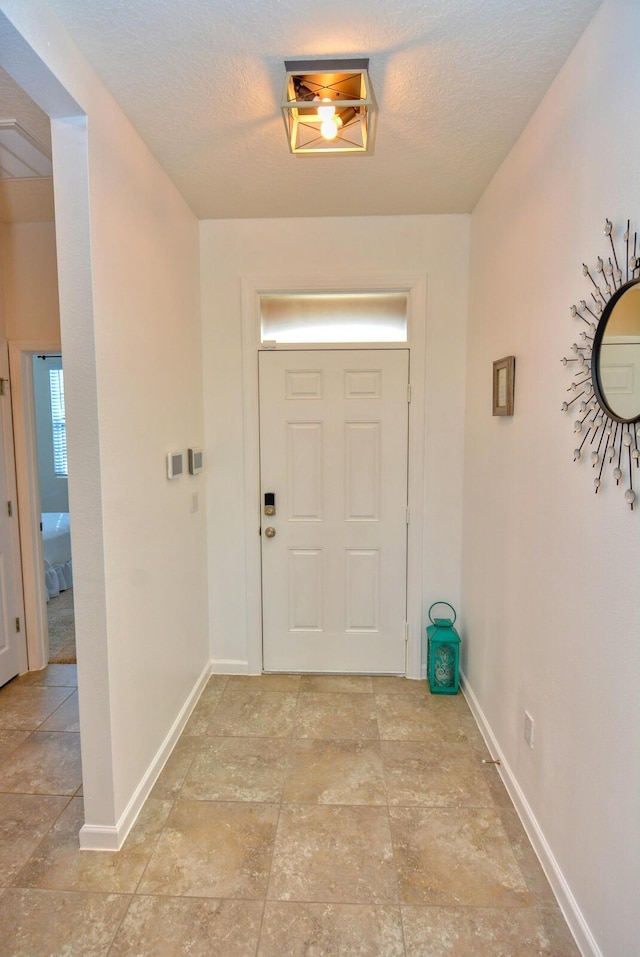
(30, 281)
(550, 570)
(299, 251)
(127, 247)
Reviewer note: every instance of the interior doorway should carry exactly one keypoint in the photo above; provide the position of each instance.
(51, 454)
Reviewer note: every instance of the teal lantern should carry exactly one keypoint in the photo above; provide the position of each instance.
(443, 653)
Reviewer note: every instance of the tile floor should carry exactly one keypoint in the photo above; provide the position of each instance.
(299, 816)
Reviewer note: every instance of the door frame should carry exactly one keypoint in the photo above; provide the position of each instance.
(251, 289)
(9, 466)
(35, 606)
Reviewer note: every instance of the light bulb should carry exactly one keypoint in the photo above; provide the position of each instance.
(326, 112)
(329, 129)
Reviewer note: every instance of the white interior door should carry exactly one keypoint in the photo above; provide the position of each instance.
(12, 641)
(333, 453)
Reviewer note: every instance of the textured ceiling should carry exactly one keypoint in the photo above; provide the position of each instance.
(455, 80)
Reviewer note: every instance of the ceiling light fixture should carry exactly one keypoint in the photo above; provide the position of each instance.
(328, 106)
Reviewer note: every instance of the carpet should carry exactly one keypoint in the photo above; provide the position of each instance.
(62, 630)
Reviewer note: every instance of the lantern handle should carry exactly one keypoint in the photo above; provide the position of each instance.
(442, 603)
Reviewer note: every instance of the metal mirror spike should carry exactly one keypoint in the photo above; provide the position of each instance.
(605, 393)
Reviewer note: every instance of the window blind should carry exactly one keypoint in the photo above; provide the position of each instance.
(58, 421)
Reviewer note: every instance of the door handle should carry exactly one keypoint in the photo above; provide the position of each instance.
(270, 532)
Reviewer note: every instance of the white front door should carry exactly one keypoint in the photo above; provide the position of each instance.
(12, 642)
(333, 454)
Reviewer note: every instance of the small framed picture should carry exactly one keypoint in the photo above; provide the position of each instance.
(503, 379)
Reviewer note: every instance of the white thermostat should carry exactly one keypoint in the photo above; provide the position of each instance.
(195, 461)
(175, 464)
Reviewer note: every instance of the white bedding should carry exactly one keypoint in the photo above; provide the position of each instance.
(56, 541)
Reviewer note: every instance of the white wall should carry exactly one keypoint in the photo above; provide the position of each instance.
(551, 572)
(30, 283)
(435, 247)
(130, 322)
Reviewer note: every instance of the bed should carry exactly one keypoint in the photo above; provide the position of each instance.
(56, 539)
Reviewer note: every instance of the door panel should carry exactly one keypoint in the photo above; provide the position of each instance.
(333, 450)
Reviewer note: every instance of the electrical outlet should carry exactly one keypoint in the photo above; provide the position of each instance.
(528, 728)
(194, 502)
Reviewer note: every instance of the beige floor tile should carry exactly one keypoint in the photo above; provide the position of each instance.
(394, 684)
(486, 932)
(213, 849)
(214, 687)
(53, 675)
(64, 718)
(330, 930)
(498, 791)
(238, 769)
(175, 770)
(26, 707)
(455, 856)
(351, 684)
(333, 854)
(326, 715)
(53, 924)
(289, 683)
(415, 718)
(335, 772)
(202, 715)
(254, 714)
(59, 864)
(217, 681)
(10, 740)
(47, 763)
(176, 927)
(426, 775)
(534, 876)
(24, 820)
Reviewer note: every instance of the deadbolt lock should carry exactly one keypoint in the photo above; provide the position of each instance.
(269, 510)
(270, 532)
(269, 503)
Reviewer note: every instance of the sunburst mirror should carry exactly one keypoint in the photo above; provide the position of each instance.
(606, 365)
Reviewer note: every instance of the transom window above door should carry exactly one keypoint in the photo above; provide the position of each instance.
(294, 318)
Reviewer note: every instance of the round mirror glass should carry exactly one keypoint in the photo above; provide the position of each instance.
(617, 354)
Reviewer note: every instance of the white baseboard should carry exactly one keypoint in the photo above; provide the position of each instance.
(111, 838)
(573, 915)
(229, 666)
